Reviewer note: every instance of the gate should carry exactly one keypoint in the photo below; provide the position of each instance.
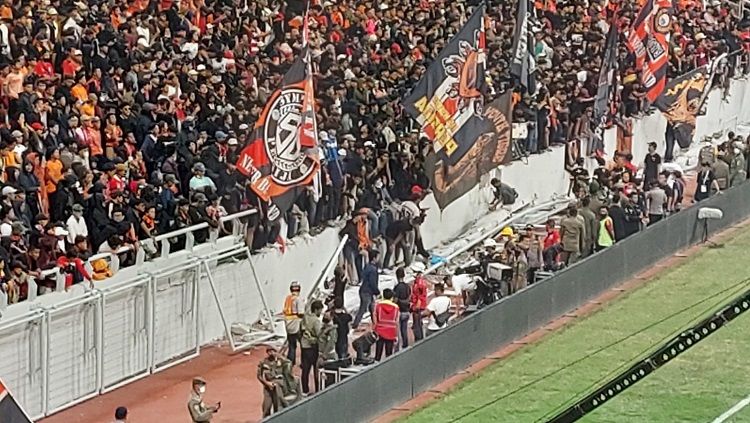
(174, 325)
(73, 329)
(22, 366)
(125, 333)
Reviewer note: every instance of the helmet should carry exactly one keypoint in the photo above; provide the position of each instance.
(295, 286)
(489, 243)
(507, 231)
(418, 267)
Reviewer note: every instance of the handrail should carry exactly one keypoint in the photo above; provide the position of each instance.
(113, 257)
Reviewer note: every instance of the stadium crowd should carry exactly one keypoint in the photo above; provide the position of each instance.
(123, 120)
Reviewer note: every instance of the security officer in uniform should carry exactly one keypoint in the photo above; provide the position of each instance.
(199, 413)
(271, 377)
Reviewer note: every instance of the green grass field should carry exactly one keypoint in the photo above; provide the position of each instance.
(698, 386)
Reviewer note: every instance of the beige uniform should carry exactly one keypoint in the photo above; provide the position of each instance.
(198, 410)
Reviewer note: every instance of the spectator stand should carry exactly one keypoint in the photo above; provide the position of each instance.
(238, 229)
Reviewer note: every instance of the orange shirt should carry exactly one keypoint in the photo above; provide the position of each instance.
(53, 174)
(6, 12)
(88, 109)
(80, 92)
(113, 135)
(95, 141)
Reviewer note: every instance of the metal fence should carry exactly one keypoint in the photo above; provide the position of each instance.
(412, 371)
(61, 355)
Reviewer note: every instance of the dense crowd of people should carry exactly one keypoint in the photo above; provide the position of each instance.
(618, 200)
(123, 120)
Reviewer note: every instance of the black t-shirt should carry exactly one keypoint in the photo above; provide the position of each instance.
(402, 296)
(341, 319)
(397, 228)
(651, 163)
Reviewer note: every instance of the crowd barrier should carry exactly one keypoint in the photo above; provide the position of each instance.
(414, 370)
(65, 347)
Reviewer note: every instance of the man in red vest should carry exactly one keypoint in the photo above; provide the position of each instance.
(385, 319)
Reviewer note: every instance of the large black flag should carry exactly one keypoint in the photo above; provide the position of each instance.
(448, 102)
(282, 156)
(492, 149)
(682, 100)
(523, 65)
(607, 80)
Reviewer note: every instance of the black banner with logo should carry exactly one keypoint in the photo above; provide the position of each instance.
(448, 102)
(491, 149)
(681, 103)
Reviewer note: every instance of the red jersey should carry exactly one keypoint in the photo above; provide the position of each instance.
(418, 294)
(70, 67)
(552, 238)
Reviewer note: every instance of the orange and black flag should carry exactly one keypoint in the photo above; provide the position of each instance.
(10, 410)
(682, 100)
(283, 155)
(648, 39)
(448, 102)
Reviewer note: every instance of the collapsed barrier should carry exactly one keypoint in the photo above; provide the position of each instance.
(407, 374)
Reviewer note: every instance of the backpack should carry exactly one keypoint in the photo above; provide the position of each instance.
(398, 212)
(509, 196)
(442, 318)
(706, 155)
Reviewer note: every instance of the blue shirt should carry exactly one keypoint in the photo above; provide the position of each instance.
(369, 280)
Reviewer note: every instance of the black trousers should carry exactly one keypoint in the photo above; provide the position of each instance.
(383, 343)
(653, 218)
(309, 362)
(293, 339)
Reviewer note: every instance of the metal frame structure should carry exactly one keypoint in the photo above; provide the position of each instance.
(264, 335)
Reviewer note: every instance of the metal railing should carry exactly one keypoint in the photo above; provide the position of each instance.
(238, 228)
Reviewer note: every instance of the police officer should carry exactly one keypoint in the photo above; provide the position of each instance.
(198, 411)
(270, 376)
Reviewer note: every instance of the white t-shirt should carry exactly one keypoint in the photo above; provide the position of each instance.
(438, 305)
(460, 283)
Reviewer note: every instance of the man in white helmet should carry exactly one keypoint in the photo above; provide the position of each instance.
(294, 311)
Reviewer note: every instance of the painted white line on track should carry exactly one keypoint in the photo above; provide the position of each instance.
(732, 411)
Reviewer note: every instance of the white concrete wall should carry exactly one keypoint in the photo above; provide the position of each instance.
(542, 176)
(721, 116)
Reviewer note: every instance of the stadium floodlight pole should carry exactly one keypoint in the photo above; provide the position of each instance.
(667, 352)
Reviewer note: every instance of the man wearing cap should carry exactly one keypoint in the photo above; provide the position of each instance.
(199, 412)
(214, 156)
(200, 182)
(294, 309)
(270, 376)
